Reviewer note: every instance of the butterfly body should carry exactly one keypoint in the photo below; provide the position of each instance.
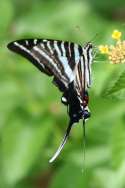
(70, 66)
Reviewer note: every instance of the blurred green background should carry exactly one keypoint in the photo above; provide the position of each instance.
(32, 119)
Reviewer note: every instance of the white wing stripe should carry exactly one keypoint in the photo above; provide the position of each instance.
(89, 65)
(35, 41)
(86, 69)
(42, 45)
(57, 48)
(29, 52)
(50, 61)
(82, 70)
(64, 61)
(43, 54)
(27, 43)
(67, 68)
(76, 53)
(63, 49)
(69, 49)
(49, 46)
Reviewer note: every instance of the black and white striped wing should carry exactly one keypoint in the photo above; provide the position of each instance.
(54, 58)
(82, 79)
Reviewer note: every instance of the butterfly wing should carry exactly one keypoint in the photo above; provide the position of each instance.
(82, 79)
(62, 60)
(54, 58)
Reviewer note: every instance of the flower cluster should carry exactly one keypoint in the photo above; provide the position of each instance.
(115, 53)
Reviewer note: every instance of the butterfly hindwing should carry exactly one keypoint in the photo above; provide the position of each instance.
(82, 79)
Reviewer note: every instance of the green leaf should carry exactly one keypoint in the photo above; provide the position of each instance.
(115, 84)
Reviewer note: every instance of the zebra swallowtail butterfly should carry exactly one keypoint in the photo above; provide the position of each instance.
(70, 66)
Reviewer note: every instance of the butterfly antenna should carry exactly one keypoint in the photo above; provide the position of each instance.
(63, 142)
(95, 37)
(84, 144)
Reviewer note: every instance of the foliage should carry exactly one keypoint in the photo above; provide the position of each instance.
(33, 120)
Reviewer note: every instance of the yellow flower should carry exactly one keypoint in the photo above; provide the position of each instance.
(104, 49)
(116, 34)
(115, 53)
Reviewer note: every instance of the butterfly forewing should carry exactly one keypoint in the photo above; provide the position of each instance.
(24, 48)
(52, 57)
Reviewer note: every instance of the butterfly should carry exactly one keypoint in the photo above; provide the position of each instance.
(69, 64)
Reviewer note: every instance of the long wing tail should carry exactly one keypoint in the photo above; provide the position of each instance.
(62, 143)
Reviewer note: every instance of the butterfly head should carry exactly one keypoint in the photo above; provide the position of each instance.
(86, 112)
(82, 114)
(82, 111)
(88, 46)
